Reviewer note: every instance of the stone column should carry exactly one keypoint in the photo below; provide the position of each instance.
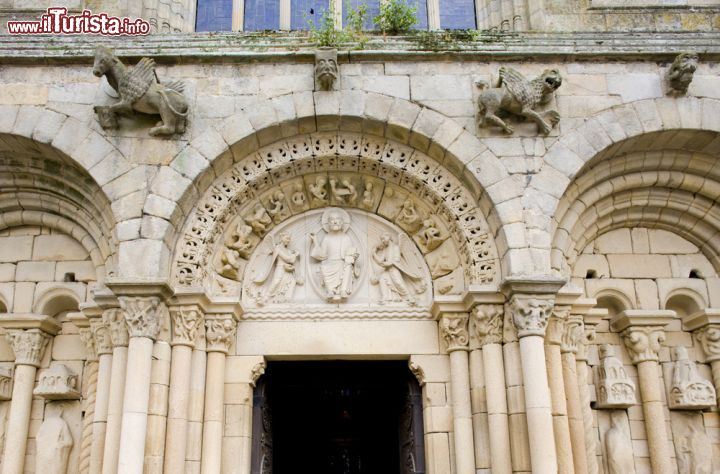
(89, 389)
(185, 322)
(553, 358)
(643, 333)
(115, 322)
(219, 335)
(487, 324)
(706, 329)
(454, 330)
(572, 335)
(104, 348)
(142, 315)
(530, 313)
(28, 336)
(196, 406)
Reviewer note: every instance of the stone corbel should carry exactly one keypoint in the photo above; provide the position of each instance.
(681, 72)
(5, 384)
(689, 391)
(58, 383)
(615, 389)
(417, 370)
(326, 69)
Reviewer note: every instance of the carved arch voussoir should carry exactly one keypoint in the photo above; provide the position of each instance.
(275, 182)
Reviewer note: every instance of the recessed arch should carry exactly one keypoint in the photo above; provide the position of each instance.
(614, 300)
(57, 300)
(684, 301)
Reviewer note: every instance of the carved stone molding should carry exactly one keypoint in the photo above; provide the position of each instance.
(573, 335)
(615, 389)
(530, 314)
(219, 333)
(643, 342)
(257, 371)
(143, 315)
(486, 324)
(417, 371)
(5, 384)
(28, 345)
(709, 339)
(58, 383)
(689, 391)
(556, 325)
(185, 323)
(454, 330)
(101, 336)
(115, 321)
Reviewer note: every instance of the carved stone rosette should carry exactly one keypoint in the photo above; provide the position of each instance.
(709, 339)
(219, 333)
(615, 389)
(101, 336)
(454, 330)
(115, 322)
(643, 342)
(28, 345)
(143, 315)
(5, 384)
(530, 314)
(58, 383)
(185, 323)
(487, 324)
(573, 334)
(689, 391)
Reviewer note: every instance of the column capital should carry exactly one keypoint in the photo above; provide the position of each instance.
(556, 324)
(454, 330)
(81, 321)
(28, 335)
(591, 319)
(186, 320)
(219, 332)
(143, 315)
(643, 332)
(99, 331)
(573, 334)
(705, 326)
(530, 313)
(117, 328)
(486, 323)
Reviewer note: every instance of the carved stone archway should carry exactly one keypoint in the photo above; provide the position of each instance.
(346, 170)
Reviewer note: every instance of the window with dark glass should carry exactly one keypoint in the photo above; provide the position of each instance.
(302, 12)
(457, 14)
(214, 15)
(261, 15)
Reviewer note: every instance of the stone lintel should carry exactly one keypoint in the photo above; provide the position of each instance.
(568, 295)
(701, 319)
(45, 323)
(477, 294)
(640, 317)
(543, 285)
(190, 297)
(218, 308)
(159, 288)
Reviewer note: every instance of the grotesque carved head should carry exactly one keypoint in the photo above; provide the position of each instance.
(326, 68)
(681, 71)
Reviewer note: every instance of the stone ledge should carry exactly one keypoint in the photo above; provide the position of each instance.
(278, 47)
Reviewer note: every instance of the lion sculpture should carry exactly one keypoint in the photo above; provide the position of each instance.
(516, 95)
(681, 72)
(141, 91)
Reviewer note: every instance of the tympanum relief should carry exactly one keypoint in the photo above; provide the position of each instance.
(336, 256)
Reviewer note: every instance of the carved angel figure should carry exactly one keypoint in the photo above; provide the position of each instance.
(140, 90)
(516, 95)
(400, 274)
(284, 275)
(276, 206)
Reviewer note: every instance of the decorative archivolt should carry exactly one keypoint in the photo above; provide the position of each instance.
(343, 170)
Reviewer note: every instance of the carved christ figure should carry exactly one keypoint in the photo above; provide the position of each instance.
(337, 255)
(395, 262)
(282, 268)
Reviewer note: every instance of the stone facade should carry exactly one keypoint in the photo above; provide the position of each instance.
(554, 290)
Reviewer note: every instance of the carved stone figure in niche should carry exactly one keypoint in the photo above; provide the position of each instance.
(409, 218)
(694, 451)
(681, 72)
(615, 388)
(276, 207)
(259, 220)
(368, 198)
(140, 91)
(337, 255)
(298, 196)
(689, 390)
(516, 95)
(400, 274)
(326, 68)
(239, 239)
(54, 442)
(283, 271)
(318, 191)
(618, 447)
(344, 193)
(430, 236)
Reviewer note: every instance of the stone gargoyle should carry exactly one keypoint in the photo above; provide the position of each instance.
(140, 91)
(519, 96)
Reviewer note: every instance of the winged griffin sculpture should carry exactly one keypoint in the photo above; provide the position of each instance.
(140, 90)
(516, 95)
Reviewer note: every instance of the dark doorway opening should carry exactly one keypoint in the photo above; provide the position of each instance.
(338, 417)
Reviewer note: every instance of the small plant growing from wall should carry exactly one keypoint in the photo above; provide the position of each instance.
(355, 23)
(396, 16)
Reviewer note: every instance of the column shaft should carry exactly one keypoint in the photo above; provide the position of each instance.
(102, 396)
(654, 414)
(537, 405)
(178, 402)
(157, 409)
(214, 409)
(501, 462)
(574, 410)
(561, 428)
(715, 367)
(462, 416)
(135, 406)
(479, 410)
(115, 409)
(587, 417)
(18, 425)
(196, 408)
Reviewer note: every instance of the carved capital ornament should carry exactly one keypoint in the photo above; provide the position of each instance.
(143, 315)
(487, 323)
(101, 336)
(115, 322)
(643, 342)
(219, 333)
(28, 345)
(709, 339)
(185, 323)
(530, 315)
(454, 330)
(573, 335)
